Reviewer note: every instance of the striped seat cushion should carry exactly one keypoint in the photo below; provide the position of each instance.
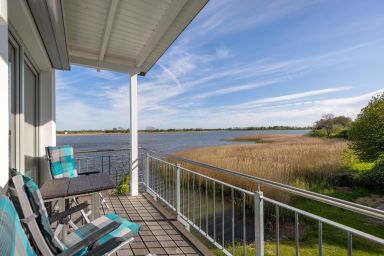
(37, 205)
(62, 162)
(13, 240)
(126, 230)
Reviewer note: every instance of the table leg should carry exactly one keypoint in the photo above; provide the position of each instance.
(95, 206)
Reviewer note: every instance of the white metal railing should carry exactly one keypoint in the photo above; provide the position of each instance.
(202, 202)
(229, 217)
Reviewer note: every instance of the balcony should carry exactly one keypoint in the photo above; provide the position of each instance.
(178, 195)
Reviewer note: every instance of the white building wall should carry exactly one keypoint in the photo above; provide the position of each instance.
(47, 120)
(25, 32)
(4, 113)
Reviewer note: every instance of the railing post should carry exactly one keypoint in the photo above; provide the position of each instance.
(178, 189)
(147, 171)
(259, 223)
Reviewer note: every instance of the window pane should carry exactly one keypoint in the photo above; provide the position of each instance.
(29, 129)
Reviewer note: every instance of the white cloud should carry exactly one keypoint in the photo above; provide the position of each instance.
(293, 96)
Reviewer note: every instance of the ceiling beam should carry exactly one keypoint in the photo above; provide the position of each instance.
(108, 28)
(120, 67)
(162, 27)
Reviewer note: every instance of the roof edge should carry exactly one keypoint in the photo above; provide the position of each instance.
(49, 20)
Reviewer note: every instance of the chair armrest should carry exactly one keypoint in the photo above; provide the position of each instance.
(88, 173)
(58, 216)
(90, 239)
(103, 249)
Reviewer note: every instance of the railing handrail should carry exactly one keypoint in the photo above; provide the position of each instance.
(358, 208)
(102, 150)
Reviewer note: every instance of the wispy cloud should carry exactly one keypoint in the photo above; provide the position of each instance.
(288, 97)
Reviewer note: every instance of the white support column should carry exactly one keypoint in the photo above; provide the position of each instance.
(4, 112)
(134, 181)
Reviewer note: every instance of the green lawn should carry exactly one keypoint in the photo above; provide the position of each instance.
(334, 240)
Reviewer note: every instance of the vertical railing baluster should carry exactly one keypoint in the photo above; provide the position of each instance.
(297, 232)
(174, 187)
(222, 215)
(199, 202)
(214, 211)
(320, 238)
(233, 220)
(102, 164)
(349, 244)
(184, 193)
(188, 195)
(244, 228)
(178, 189)
(206, 206)
(277, 230)
(109, 165)
(147, 171)
(166, 183)
(259, 223)
(194, 198)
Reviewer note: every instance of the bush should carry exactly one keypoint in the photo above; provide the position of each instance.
(123, 187)
(342, 134)
(367, 132)
(374, 179)
(332, 126)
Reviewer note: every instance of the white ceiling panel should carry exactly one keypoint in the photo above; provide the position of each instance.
(125, 35)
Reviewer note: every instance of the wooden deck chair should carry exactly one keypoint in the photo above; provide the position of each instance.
(14, 240)
(26, 196)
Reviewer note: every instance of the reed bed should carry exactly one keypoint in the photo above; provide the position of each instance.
(301, 161)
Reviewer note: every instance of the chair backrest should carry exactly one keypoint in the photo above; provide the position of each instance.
(61, 162)
(26, 196)
(13, 240)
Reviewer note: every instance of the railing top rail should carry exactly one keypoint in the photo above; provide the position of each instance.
(102, 150)
(362, 209)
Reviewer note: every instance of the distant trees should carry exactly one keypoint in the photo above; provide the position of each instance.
(367, 132)
(332, 126)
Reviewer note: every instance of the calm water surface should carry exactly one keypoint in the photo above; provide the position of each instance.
(163, 142)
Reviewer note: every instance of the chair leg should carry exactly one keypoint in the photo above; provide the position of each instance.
(85, 214)
(103, 202)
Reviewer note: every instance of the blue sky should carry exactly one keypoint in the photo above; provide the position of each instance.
(257, 63)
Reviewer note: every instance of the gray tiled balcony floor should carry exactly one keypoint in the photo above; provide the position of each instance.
(157, 236)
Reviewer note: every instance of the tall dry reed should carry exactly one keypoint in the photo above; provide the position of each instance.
(300, 161)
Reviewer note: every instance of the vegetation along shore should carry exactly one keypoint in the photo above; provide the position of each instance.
(340, 158)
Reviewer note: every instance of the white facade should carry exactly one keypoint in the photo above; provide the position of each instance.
(32, 80)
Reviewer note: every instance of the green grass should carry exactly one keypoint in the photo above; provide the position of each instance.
(308, 247)
(334, 240)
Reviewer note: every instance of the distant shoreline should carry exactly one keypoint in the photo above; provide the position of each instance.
(79, 133)
(176, 131)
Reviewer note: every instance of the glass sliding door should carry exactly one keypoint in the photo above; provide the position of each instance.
(29, 131)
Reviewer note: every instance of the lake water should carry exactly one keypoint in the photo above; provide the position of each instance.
(163, 142)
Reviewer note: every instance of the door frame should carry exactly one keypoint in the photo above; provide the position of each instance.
(22, 58)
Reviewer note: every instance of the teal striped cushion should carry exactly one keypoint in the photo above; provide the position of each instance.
(13, 240)
(37, 205)
(125, 231)
(62, 162)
